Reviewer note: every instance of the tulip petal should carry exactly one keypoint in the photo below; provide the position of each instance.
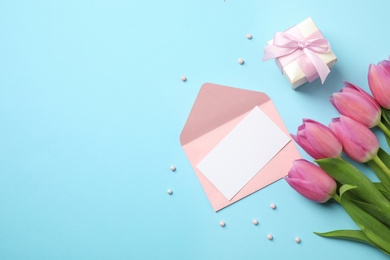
(369, 98)
(379, 82)
(385, 64)
(301, 140)
(308, 171)
(349, 87)
(335, 121)
(360, 134)
(331, 99)
(356, 152)
(299, 163)
(294, 172)
(323, 139)
(308, 190)
(356, 90)
(351, 148)
(307, 120)
(358, 108)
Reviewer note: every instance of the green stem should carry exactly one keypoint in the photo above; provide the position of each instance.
(337, 198)
(384, 129)
(382, 166)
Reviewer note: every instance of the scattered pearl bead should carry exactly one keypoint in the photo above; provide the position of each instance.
(297, 239)
(249, 36)
(255, 222)
(222, 224)
(273, 206)
(169, 192)
(269, 237)
(183, 78)
(241, 61)
(173, 168)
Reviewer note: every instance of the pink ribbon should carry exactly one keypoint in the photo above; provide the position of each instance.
(285, 44)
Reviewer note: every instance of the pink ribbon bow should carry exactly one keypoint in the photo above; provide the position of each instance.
(285, 44)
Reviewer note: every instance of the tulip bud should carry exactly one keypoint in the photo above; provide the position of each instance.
(355, 103)
(317, 140)
(358, 141)
(311, 181)
(379, 82)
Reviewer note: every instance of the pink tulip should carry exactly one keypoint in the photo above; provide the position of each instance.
(311, 181)
(358, 141)
(379, 82)
(317, 140)
(355, 103)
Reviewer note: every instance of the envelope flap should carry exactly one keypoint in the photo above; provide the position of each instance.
(215, 105)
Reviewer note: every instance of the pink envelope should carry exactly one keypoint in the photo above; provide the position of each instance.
(218, 110)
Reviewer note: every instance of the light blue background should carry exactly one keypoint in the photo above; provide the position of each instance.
(92, 106)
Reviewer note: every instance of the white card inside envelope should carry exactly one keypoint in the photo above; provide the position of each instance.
(243, 153)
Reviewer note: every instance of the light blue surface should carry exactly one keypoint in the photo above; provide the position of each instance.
(92, 106)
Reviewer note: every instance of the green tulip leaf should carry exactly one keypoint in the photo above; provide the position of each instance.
(345, 173)
(385, 115)
(379, 173)
(386, 136)
(345, 188)
(375, 230)
(374, 211)
(352, 235)
(385, 158)
(382, 189)
(385, 120)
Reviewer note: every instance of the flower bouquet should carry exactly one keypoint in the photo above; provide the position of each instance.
(366, 202)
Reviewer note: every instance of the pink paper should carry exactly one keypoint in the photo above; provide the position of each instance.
(217, 110)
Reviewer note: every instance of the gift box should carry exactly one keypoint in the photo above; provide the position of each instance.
(301, 53)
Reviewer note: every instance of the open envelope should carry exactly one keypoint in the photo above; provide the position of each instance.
(216, 112)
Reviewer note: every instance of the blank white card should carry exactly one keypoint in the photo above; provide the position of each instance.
(243, 153)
